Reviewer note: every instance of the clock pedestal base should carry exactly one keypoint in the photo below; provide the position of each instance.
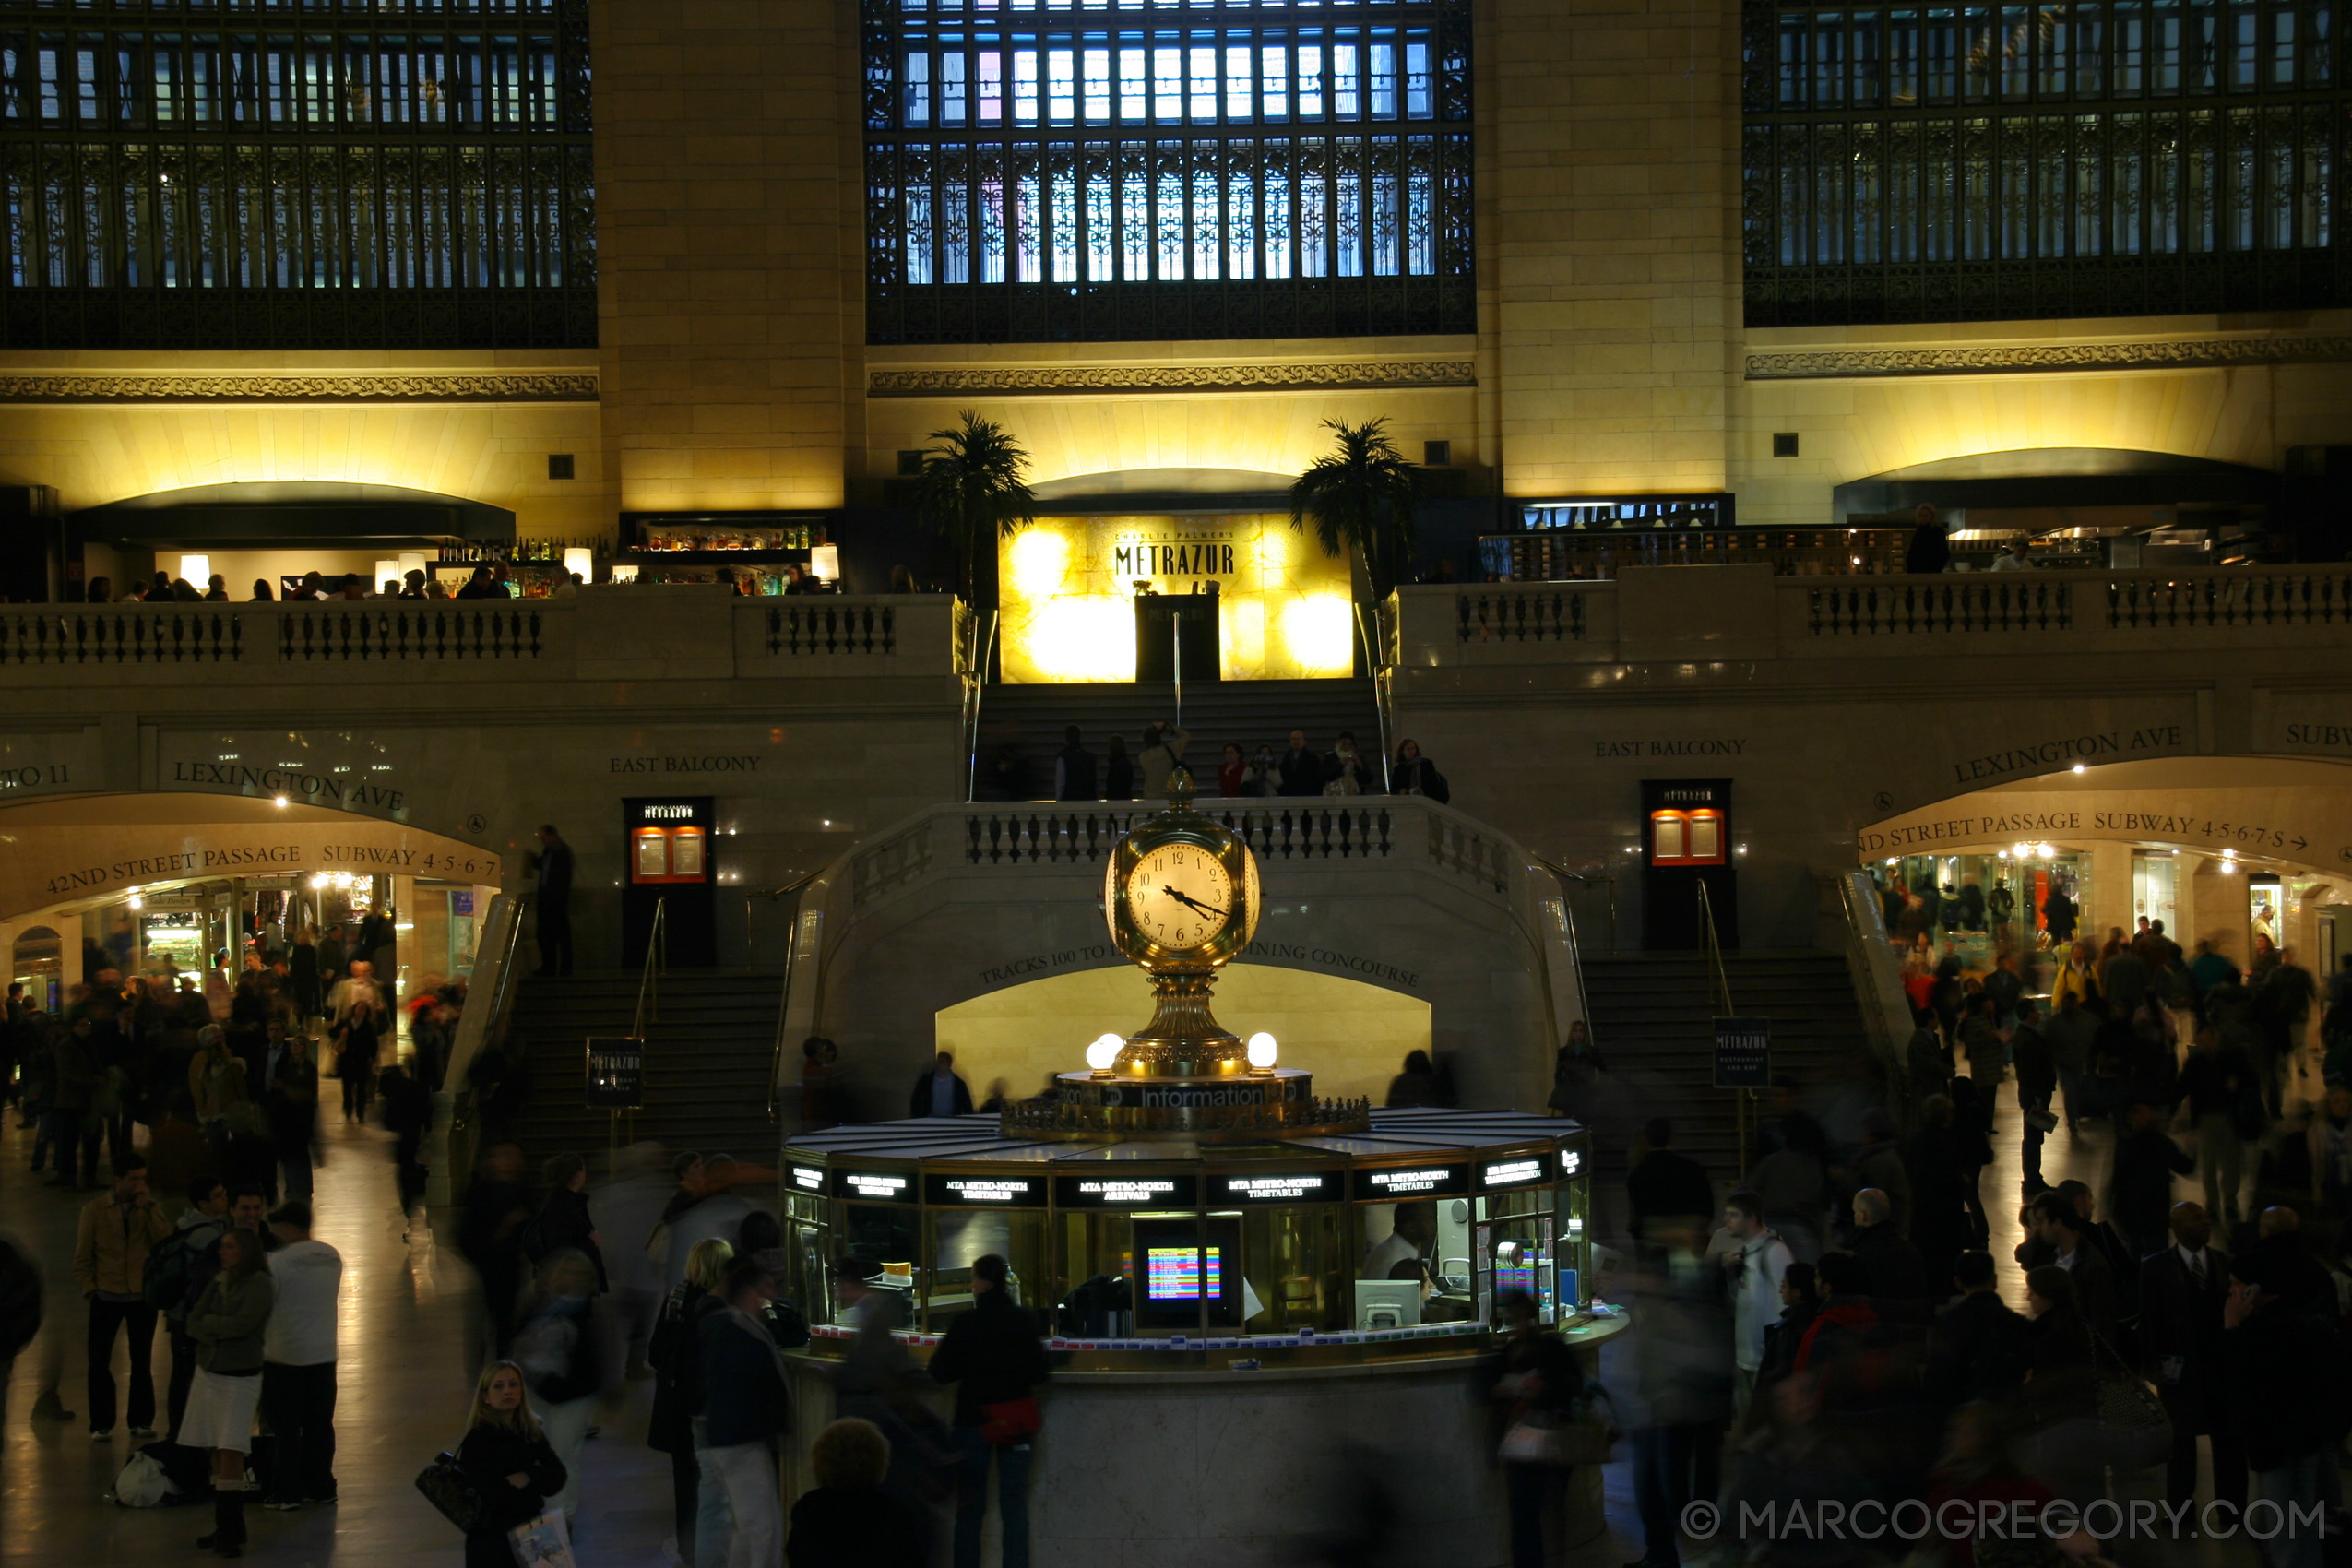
(1250, 1105)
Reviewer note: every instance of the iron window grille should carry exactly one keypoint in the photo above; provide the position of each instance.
(2108, 157)
(1048, 170)
(296, 174)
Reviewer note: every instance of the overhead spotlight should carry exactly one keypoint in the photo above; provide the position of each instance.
(2080, 769)
(1262, 1051)
(2022, 852)
(281, 800)
(2044, 851)
(137, 902)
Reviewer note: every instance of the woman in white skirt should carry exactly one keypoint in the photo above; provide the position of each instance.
(226, 1324)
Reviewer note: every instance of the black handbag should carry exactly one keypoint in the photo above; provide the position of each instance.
(446, 1487)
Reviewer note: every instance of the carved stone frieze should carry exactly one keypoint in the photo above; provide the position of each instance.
(531, 386)
(1042, 380)
(2189, 353)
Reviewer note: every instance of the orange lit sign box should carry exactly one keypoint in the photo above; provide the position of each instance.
(1692, 837)
(669, 842)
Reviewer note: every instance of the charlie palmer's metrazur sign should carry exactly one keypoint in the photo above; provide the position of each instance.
(1742, 1053)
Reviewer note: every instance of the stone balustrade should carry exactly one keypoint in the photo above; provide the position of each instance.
(599, 633)
(1745, 611)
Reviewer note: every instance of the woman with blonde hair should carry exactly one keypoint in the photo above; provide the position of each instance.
(506, 1457)
(675, 1355)
(227, 1324)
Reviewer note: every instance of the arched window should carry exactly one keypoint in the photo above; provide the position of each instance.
(1084, 168)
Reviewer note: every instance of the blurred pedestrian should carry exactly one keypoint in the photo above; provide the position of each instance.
(676, 1356)
(847, 1520)
(2291, 1383)
(1753, 1260)
(563, 1223)
(2183, 1290)
(291, 1110)
(1532, 1384)
(408, 1116)
(2146, 1159)
(562, 1350)
(497, 1207)
(995, 1357)
(746, 1411)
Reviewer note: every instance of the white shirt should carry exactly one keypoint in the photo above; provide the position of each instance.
(1388, 1256)
(1764, 1260)
(307, 1277)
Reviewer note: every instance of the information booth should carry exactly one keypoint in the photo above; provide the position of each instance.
(1152, 1247)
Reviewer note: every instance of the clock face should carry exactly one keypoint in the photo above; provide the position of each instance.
(1180, 897)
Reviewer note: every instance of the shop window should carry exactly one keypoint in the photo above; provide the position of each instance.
(1686, 838)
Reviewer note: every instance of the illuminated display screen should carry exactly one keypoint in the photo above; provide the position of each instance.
(1173, 1274)
(808, 1178)
(1125, 1191)
(1288, 1186)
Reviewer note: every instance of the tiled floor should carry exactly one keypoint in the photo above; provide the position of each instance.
(402, 1393)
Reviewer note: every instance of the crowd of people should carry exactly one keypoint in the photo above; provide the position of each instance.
(671, 1272)
(1294, 771)
(489, 580)
(1836, 1327)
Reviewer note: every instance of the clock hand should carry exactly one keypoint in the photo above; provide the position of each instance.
(1194, 903)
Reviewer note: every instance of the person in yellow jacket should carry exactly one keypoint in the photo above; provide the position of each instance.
(110, 1266)
(2078, 976)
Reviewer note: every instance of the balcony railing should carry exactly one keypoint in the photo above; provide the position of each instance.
(1746, 612)
(630, 632)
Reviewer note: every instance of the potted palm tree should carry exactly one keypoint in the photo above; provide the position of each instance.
(1359, 497)
(974, 490)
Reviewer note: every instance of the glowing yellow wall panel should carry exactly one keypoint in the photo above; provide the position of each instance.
(1068, 588)
(1351, 1036)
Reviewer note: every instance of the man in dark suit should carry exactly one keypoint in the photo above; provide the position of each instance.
(940, 1092)
(2056, 1232)
(2183, 1289)
(1978, 1347)
(1898, 1277)
(1665, 1192)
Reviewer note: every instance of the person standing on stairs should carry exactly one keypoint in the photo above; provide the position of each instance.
(554, 902)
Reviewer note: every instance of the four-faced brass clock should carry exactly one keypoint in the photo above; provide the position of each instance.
(1180, 896)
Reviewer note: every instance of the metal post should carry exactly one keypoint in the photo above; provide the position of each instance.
(1176, 631)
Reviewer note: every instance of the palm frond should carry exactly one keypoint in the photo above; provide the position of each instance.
(1360, 496)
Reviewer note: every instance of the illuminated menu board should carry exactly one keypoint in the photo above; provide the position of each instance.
(805, 1178)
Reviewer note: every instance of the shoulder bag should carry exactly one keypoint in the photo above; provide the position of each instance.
(446, 1487)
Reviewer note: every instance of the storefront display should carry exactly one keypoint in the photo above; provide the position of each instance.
(671, 869)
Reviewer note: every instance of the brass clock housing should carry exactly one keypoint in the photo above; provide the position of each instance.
(1160, 898)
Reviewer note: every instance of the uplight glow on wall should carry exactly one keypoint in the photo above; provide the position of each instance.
(1069, 586)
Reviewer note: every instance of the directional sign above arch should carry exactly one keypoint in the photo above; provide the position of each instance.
(2263, 808)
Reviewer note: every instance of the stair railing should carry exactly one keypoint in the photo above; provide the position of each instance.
(481, 1026)
(1875, 973)
(792, 890)
(1711, 946)
(657, 961)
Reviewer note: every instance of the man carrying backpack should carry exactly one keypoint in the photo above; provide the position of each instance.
(177, 1271)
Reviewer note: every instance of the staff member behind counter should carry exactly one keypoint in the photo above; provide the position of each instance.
(1404, 1255)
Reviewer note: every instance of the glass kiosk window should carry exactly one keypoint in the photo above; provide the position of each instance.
(1191, 1274)
(1291, 1257)
(883, 1234)
(1514, 1244)
(808, 1240)
(957, 1236)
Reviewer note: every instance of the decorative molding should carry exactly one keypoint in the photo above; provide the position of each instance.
(1042, 380)
(530, 386)
(2185, 353)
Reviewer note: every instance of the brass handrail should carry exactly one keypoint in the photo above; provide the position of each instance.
(784, 1000)
(657, 946)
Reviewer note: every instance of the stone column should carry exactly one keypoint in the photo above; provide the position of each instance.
(729, 294)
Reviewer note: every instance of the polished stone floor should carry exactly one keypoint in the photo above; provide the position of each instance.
(402, 1394)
